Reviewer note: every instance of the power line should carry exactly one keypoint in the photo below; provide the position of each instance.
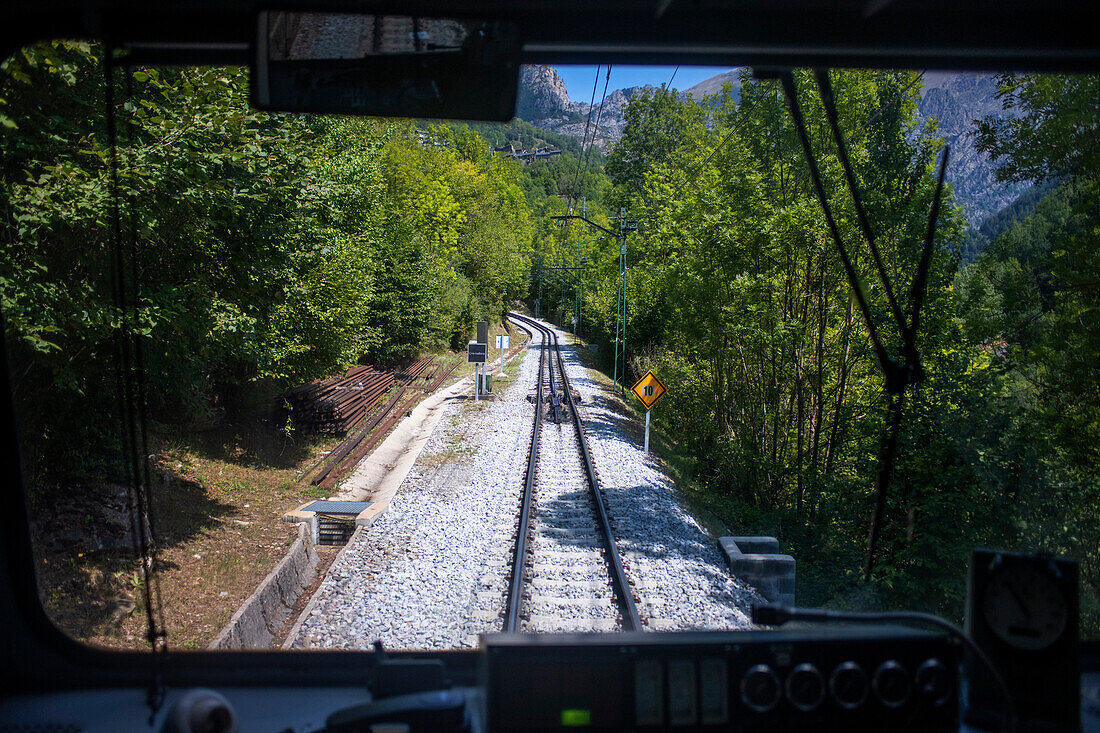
(596, 130)
(591, 105)
(669, 85)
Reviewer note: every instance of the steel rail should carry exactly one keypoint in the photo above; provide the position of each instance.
(515, 589)
(620, 584)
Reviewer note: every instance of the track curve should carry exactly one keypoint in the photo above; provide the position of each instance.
(567, 574)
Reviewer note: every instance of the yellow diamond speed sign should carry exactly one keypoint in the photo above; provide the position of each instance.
(648, 389)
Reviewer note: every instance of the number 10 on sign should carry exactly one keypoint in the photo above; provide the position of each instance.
(649, 390)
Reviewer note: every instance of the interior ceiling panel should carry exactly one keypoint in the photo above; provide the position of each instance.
(1025, 34)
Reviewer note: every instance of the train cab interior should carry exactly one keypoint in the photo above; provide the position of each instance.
(929, 675)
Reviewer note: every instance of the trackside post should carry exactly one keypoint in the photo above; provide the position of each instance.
(648, 389)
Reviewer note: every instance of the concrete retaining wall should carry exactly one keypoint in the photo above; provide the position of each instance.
(263, 613)
(756, 560)
(296, 629)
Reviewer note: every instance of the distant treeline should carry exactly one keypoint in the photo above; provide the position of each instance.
(977, 239)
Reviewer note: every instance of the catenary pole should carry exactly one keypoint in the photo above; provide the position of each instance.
(620, 310)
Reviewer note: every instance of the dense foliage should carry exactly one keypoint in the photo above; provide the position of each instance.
(736, 297)
(1034, 293)
(259, 251)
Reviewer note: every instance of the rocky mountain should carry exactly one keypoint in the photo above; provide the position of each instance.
(544, 102)
(542, 95)
(713, 85)
(954, 100)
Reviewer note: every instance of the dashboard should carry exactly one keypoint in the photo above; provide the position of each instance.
(854, 679)
(821, 679)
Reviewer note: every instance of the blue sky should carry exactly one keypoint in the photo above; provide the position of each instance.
(578, 79)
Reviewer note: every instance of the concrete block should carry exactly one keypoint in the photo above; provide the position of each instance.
(286, 585)
(769, 565)
(270, 604)
(757, 545)
(729, 548)
(766, 587)
(251, 630)
(756, 561)
(310, 542)
(366, 517)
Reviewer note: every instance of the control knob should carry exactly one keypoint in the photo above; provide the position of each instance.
(848, 685)
(760, 688)
(891, 684)
(805, 687)
(934, 682)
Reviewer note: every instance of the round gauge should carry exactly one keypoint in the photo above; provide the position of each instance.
(1024, 607)
(891, 684)
(935, 682)
(760, 688)
(848, 684)
(805, 687)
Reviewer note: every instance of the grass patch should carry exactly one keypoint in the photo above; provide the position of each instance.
(454, 454)
(217, 502)
(217, 499)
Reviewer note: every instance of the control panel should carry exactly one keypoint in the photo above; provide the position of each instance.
(835, 679)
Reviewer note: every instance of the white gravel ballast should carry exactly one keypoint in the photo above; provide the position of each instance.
(432, 571)
(678, 574)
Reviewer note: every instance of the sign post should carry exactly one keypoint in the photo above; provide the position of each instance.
(482, 352)
(476, 354)
(649, 390)
(503, 344)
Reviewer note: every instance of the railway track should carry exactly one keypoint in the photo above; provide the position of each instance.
(567, 575)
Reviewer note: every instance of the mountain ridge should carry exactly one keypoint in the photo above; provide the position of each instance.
(954, 100)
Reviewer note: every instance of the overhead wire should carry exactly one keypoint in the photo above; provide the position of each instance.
(584, 140)
(596, 128)
(669, 85)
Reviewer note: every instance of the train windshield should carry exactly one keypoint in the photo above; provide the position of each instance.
(639, 358)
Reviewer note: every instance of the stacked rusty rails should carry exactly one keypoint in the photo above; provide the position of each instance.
(371, 420)
(365, 445)
(336, 404)
(386, 419)
(365, 435)
(411, 374)
(329, 471)
(441, 375)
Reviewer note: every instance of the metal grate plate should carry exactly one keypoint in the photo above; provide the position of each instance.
(338, 507)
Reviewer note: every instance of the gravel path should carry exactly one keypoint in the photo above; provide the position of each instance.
(432, 572)
(675, 567)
